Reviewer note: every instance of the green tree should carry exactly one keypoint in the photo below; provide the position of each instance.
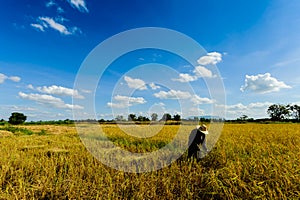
(142, 118)
(177, 117)
(17, 118)
(132, 117)
(243, 118)
(119, 118)
(166, 117)
(278, 112)
(2, 122)
(295, 109)
(154, 117)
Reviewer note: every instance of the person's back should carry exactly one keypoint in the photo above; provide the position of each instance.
(197, 137)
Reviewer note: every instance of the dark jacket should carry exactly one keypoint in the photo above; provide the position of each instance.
(196, 138)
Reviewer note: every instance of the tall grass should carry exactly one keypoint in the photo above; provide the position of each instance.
(249, 161)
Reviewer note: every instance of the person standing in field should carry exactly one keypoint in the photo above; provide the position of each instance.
(197, 137)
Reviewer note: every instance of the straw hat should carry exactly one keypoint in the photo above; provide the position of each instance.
(202, 128)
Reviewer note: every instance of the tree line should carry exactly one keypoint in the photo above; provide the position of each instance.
(19, 118)
(154, 117)
(276, 112)
(280, 112)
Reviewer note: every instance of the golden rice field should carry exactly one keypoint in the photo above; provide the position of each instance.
(249, 161)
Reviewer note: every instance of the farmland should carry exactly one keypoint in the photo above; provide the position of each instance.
(249, 161)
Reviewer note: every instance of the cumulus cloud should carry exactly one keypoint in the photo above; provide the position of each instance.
(118, 105)
(30, 86)
(201, 71)
(59, 90)
(210, 58)
(172, 94)
(14, 78)
(126, 101)
(48, 100)
(254, 110)
(154, 86)
(238, 106)
(135, 83)
(3, 77)
(263, 83)
(133, 100)
(201, 100)
(183, 77)
(79, 4)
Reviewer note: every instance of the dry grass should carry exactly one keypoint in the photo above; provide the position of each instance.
(250, 161)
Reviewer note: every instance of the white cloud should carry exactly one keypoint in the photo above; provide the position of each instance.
(3, 77)
(30, 87)
(47, 22)
(252, 110)
(7, 108)
(263, 83)
(125, 101)
(79, 4)
(56, 26)
(14, 78)
(238, 106)
(201, 100)
(259, 105)
(135, 83)
(172, 94)
(133, 100)
(21, 108)
(153, 86)
(86, 91)
(194, 111)
(38, 26)
(61, 91)
(48, 100)
(201, 71)
(185, 78)
(118, 105)
(210, 58)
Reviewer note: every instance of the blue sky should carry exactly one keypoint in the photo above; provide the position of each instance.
(254, 45)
